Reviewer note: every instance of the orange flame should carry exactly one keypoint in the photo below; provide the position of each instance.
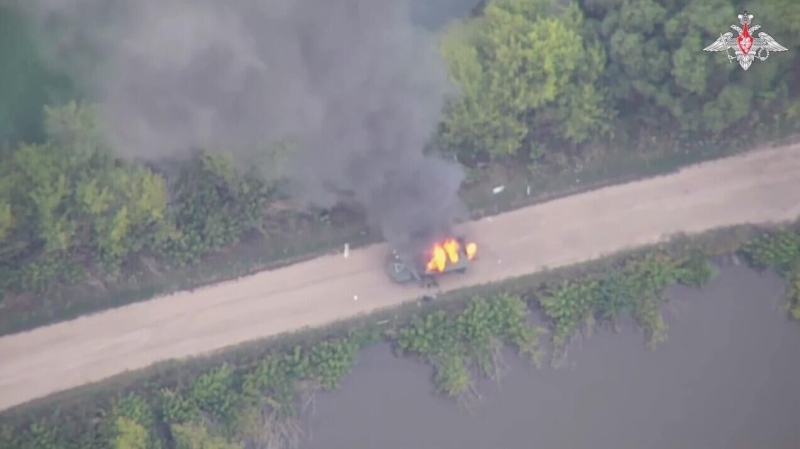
(451, 247)
(438, 259)
(449, 252)
(472, 250)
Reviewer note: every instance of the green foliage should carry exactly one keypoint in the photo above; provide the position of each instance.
(616, 293)
(192, 436)
(793, 293)
(472, 338)
(657, 75)
(539, 77)
(68, 207)
(37, 436)
(779, 251)
(271, 384)
(696, 271)
(215, 392)
(788, 11)
(568, 305)
(331, 361)
(175, 408)
(6, 219)
(76, 128)
(130, 435)
(517, 67)
(635, 289)
(135, 408)
(134, 424)
(215, 205)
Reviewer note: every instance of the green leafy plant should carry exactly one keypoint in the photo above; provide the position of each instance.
(175, 408)
(636, 289)
(473, 338)
(780, 251)
(215, 392)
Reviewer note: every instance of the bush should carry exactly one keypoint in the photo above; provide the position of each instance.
(215, 393)
(779, 251)
(635, 289)
(454, 344)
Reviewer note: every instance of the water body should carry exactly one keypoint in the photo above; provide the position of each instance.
(727, 378)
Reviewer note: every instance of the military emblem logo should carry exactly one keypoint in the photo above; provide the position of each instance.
(746, 48)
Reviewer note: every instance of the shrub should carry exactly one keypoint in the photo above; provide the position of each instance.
(780, 251)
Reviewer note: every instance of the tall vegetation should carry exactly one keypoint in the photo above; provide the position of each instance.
(635, 289)
(473, 338)
(69, 210)
(540, 77)
(541, 81)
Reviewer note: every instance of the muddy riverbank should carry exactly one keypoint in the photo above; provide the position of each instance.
(726, 378)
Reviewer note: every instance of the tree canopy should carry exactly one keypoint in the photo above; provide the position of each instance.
(67, 205)
(538, 72)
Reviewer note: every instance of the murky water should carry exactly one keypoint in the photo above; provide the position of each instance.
(729, 377)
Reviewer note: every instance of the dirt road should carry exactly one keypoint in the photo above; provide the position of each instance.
(762, 186)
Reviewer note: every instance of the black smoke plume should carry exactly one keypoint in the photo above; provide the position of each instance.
(353, 84)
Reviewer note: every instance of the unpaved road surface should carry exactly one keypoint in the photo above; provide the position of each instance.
(757, 187)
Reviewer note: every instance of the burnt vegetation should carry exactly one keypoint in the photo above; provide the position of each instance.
(552, 87)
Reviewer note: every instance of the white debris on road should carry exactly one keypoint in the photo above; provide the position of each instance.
(498, 189)
(355, 297)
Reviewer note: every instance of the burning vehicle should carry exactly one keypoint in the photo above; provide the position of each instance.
(451, 254)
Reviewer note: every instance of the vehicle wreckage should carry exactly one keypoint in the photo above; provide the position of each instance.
(452, 254)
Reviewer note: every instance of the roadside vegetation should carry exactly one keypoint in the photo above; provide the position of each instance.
(251, 396)
(780, 252)
(555, 96)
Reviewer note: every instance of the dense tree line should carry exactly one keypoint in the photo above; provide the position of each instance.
(538, 76)
(538, 79)
(69, 208)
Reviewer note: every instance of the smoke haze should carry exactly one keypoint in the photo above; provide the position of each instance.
(353, 83)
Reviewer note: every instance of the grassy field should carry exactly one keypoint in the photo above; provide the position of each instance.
(445, 333)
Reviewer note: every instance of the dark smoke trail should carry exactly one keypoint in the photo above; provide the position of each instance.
(353, 83)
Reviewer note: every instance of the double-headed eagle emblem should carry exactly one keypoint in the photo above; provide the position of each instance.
(745, 47)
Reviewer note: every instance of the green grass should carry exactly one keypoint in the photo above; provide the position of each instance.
(266, 380)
